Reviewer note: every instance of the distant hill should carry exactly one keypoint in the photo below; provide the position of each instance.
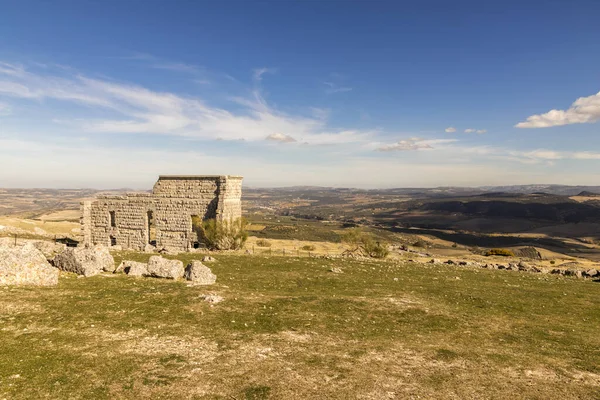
(588, 194)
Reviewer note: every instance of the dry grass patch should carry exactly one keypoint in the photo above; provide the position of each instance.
(290, 329)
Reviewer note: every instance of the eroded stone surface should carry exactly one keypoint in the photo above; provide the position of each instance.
(199, 273)
(25, 265)
(162, 220)
(85, 261)
(159, 267)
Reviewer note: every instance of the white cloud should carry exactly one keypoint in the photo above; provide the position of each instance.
(450, 129)
(414, 143)
(470, 130)
(136, 109)
(280, 137)
(335, 88)
(259, 72)
(481, 131)
(583, 110)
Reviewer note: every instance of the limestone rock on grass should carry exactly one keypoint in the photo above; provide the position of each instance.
(25, 265)
(208, 259)
(85, 261)
(159, 267)
(49, 249)
(211, 298)
(132, 268)
(199, 273)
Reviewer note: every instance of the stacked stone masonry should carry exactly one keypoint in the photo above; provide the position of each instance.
(162, 218)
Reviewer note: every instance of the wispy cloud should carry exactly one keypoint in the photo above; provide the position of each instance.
(280, 137)
(259, 72)
(5, 109)
(479, 131)
(178, 67)
(335, 88)
(136, 109)
(450, 129)
(583, 110)
(414, 143)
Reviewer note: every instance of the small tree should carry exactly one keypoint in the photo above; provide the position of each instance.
(224, 235)
(364, 244)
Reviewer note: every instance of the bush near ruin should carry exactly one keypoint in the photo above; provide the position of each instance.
(224, 235)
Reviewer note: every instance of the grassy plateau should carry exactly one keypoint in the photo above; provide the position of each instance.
(291, 329)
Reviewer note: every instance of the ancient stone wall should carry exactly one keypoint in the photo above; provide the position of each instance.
(164, 217)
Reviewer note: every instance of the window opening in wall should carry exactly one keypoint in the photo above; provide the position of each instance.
(113, 220)
(151, 229)
(113, 241)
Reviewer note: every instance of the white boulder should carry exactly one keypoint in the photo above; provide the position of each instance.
(86, 261)
(25, 265)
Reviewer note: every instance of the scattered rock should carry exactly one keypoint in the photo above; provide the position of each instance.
(199, 273)
(211, 298)
(523, 266)
(592, 272)
(86, 261)
(336, 270)
(433, 261)
(159, 267)
(208, 259)
(49, 249)
(117, 247)
(149, 248)
(133, 268)
(25, 265)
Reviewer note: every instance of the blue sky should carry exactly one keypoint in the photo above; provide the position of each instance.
(337, 93)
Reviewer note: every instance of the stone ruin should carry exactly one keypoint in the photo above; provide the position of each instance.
(167, 218)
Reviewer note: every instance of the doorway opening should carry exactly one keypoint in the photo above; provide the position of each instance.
(113, 241)
(151, 229)
(196, 231)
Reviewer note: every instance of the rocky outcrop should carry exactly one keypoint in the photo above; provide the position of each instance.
(85, 261)
(199, 273)
(159, 267)
(25, 265)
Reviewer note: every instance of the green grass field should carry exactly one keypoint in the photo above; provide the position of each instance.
(290, 329)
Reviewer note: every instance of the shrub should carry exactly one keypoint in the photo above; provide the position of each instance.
(375, 249)
(500, 252)
(224, 235)
(364, 244)
(263, 243)
(552, 262)
(308, 247)
(420, 243)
